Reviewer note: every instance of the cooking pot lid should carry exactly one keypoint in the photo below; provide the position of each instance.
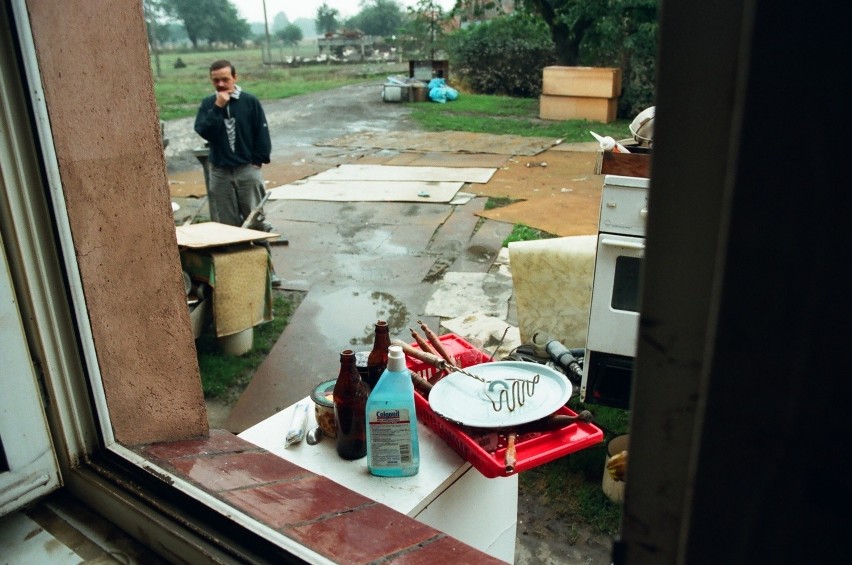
(508, 384)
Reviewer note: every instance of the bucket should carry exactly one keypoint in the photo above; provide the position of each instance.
(237, 344)
(393, 93)
(614, 490)
(419, 93)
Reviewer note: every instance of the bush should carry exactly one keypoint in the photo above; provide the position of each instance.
(504, 56)
(626, 38)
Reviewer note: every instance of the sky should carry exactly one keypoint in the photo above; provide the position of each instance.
(252, 10)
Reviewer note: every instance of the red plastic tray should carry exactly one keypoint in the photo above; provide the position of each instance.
(532, 449)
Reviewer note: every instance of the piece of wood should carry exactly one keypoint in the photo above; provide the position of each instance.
(404, 173)
(593, 82)
(577, 108)
(367, 191)
(214, 234)
(624, 164)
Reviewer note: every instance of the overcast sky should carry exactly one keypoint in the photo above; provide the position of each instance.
(252, 10)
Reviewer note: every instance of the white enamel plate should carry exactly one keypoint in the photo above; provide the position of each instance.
(471, 402)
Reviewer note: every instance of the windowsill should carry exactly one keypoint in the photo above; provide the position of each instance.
(312, 511)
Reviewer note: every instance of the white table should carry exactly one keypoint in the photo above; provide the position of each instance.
(447, 493)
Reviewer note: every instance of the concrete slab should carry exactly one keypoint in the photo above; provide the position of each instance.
(490, 334)
(461, 294)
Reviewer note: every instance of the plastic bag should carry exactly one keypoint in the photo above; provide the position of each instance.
(440, 92)
(298, 424)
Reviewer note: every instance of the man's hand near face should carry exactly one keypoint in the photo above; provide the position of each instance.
(222, 98)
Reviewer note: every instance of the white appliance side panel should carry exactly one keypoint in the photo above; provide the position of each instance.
(611, 330)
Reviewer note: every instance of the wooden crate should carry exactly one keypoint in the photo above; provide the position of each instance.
(427, 70)
(577, 108)
(634, 164)
(593, 82)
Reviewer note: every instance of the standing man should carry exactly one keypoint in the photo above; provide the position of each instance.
(234, 125)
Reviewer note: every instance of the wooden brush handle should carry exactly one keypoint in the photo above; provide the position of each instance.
(436, 343)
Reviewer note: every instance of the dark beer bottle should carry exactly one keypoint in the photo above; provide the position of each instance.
(350, 404)
(377, 362)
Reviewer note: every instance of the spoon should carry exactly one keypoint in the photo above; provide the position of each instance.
(314, 436)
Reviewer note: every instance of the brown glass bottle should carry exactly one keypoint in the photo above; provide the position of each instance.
(350, 403)
(377, 362)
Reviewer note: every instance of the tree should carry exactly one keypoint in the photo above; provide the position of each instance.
(210, 20)
(279, 22)
(326, 20)
(380, 17)
(423, 34)
(291, 35)
(154, 15)
(618, 33)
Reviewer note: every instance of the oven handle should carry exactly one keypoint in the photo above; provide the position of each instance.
(621, 243)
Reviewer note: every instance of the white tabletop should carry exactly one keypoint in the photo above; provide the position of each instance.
(440, 466)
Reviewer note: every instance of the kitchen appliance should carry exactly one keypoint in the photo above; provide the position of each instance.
(614, 313)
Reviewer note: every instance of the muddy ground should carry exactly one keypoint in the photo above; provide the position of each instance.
(299, 126)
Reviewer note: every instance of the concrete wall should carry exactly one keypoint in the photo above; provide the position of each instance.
(98, 86)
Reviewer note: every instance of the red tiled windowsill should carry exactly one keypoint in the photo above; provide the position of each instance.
(316, 512)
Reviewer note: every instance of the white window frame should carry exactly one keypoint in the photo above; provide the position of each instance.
(59, 326)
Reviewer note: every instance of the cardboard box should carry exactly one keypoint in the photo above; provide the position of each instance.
(593, 82)
(577, 108)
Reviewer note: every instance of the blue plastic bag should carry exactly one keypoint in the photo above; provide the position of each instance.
(440, 92)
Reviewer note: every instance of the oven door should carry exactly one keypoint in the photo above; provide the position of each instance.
(613, 320)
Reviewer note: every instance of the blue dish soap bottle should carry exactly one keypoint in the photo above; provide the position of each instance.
(393, 449)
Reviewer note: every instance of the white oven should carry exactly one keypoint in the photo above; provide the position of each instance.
(614, 314)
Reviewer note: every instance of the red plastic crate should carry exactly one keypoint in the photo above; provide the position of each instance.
(532, 449)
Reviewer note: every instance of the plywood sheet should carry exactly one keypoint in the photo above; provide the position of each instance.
(440, 159)
(447, 141)
(404, 173)
(562, 198)
(367, 191)
(213, 234)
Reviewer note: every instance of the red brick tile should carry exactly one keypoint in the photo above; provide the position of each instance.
(227, 471)
(219, 441)
(281, 505)
(362, 536)
(446, 550)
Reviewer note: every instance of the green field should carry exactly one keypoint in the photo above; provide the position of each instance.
(179, 91)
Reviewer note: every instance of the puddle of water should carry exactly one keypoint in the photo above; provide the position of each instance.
(346, 318)
(379, 241)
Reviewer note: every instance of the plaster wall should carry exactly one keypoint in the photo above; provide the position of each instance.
(98, 87)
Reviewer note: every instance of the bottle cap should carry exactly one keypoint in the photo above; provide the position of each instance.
(396, 359)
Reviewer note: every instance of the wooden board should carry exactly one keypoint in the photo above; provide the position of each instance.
(405, 173)
(367, 191)
(577, 108)
(214, 234)
(624, 164)
(593, 82)
(445, 141)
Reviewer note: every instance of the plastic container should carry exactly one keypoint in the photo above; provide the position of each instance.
(614, 490)
(237, 344)
(393, 448)
(322, 396)
(475, 445)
